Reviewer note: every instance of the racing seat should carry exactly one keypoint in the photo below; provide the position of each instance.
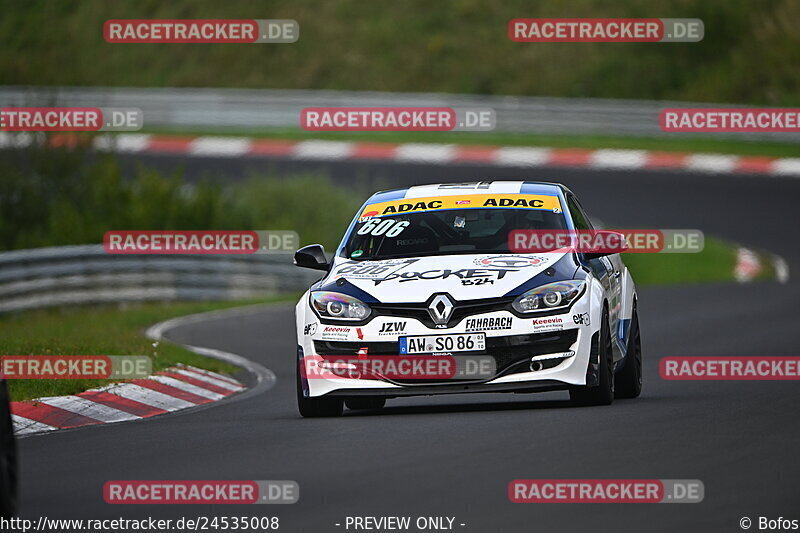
(414, 240)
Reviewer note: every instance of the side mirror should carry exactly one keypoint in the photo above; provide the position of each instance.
(606, 243)
(311, 256)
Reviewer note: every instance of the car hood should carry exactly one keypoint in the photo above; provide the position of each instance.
(464, 277)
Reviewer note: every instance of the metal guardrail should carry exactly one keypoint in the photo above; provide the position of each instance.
(68, 275)
(259, 109)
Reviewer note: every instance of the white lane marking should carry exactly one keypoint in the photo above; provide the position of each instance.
(188, 387)
(265, 378)
(123, 142)
(522, 157)
(781, 268)
(715, 163)
(227, 379)
(16, 139)
(23, 426)
(86, 407)
(140, 394)
(622, 159)
(208, 379)
(220, 146)
(426, 152)
(322, 149)
(787, 166)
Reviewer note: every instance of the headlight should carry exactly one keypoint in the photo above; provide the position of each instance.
(337, 306)
(551, 296)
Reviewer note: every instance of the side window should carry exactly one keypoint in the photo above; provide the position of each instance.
(578, 216)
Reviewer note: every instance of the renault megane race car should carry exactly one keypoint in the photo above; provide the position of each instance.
(429, 274)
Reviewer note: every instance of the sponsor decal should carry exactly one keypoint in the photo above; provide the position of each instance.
(310, 329)
(357, 253)
(392, 328)
(367, 215)
(550, 323)
(411, 242)
(582, 319)
(505, 201)
(489, 323)
(359, 334)
(335, 332)
(372, 269)
(510, 261)
(468, 276)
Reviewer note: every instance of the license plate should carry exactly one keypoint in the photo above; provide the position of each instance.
(459, 342)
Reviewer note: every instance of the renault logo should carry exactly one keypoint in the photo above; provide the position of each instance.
(440, 309)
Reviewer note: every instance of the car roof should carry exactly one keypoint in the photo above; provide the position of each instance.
(475, 187)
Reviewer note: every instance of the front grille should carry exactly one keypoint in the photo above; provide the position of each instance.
(461, 310)
(507, 351)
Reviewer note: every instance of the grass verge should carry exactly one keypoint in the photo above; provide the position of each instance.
(101, 331)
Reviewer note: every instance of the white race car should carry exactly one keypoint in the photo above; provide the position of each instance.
(427, 295)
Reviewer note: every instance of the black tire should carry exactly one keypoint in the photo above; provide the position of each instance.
(365, 403)
(603, 393)
(629, 379)
(8, 458)
(316, 407)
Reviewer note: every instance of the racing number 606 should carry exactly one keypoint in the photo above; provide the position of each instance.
(378, 227)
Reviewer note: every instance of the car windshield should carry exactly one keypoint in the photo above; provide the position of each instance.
(444, 232)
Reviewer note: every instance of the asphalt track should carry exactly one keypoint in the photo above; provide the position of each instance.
(455, 455)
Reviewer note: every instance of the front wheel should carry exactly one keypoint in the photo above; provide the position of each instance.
(316, 407)
(603, 393)
(629, 379)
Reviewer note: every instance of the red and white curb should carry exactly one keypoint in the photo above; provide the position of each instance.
(172, 389)
(749, 265)
(431, 153)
